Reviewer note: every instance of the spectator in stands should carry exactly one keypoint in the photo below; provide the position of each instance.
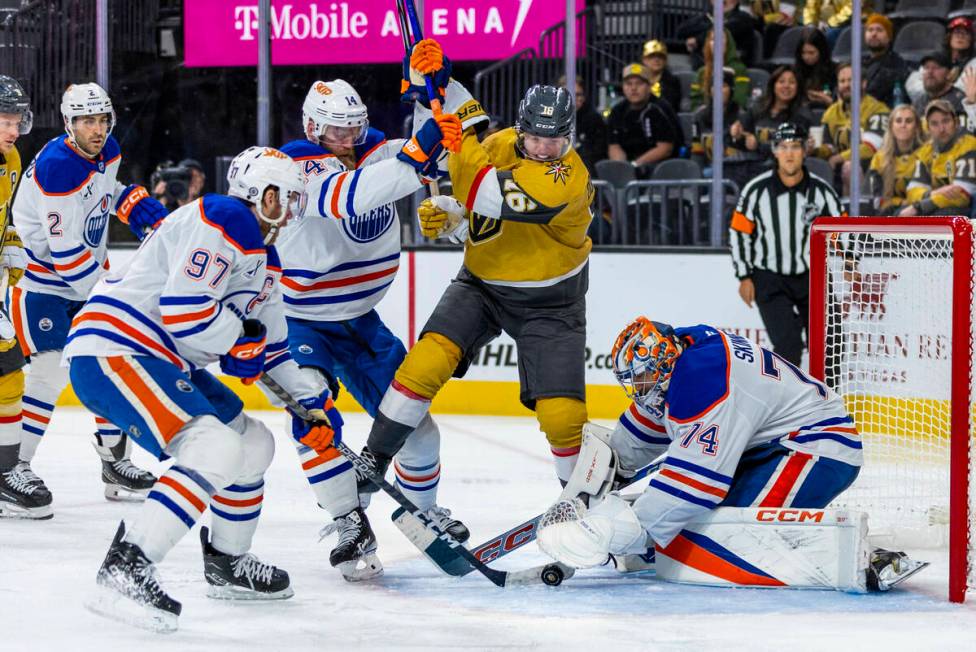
(938, 85)
(780, 103)
(945, 173)
(736, 157)
(959, 50)
(814, 69)
(836, 120)
(894, 164)
(832, 16)
(663, 83)
(198, 178)
(884, 71)
(740, 24)
(772, 21)
(701, 88)
(968, 81)
(642, 129)
(591, 130)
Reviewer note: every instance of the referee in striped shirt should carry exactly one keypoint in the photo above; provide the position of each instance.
(770, 235)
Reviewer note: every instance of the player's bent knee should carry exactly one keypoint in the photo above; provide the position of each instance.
(46, 370)
(561, 419)
(11, 391)
(210, 448)
(259, 448)
(429, 365)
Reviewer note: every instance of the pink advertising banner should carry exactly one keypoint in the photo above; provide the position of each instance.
(225, 32)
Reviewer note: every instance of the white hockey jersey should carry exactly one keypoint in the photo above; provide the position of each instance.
(183, 296)
(343, 255)
(61, 212)
(727, 395)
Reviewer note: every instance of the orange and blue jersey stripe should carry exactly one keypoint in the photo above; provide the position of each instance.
(343, 283)
(837, 429)
(691, 482)
(643, 428)
(185, 315)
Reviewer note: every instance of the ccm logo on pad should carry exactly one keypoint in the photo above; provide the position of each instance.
(788, 515)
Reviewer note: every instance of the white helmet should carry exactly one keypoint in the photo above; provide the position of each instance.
(254, 170)
(85, 99)
(334, 103)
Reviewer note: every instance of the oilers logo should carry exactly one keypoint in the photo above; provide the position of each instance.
(95, 222)
(371, 225)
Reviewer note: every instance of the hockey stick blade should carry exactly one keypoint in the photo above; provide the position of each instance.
(438, 552)
(497, 577)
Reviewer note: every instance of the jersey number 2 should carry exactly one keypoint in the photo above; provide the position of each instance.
(707, 437)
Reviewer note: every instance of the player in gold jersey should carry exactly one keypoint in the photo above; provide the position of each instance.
(944, 181)
(521, 206)
(18, 496)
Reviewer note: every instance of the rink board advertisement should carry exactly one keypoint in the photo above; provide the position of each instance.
(303, 32)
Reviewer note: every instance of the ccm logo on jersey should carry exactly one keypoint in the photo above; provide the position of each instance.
(788, 515)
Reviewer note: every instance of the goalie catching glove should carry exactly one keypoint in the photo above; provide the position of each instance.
(427, 58)
(443, 216)
(325, 427)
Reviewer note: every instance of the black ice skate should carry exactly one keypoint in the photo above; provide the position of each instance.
(355, 551)
(23, 494)
(241, 577)
(129, 590)
(888, 569)
(124, 481)
(441, 518)
(378, 463)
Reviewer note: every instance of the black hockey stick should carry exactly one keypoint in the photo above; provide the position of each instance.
(498, 546)
(449, 551)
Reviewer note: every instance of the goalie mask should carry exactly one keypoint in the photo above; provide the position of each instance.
(334, 115)
(255, 170)
(644, 356)
(81, 100)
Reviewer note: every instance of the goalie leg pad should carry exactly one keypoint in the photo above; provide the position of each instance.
(582, 538)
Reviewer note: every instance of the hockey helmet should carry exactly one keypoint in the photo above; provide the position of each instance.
(546, 112)
(14, 99)
(644, 357)
(337, 104)
(85, 99)
(255, 170)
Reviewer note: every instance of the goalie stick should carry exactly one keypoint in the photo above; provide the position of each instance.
(495, 547)
(451, 553)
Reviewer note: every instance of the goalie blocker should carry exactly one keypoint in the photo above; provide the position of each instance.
(728, 546)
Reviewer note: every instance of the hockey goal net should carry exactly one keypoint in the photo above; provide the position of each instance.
(891, 331)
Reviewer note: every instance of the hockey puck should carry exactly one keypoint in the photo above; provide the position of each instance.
(552, 575)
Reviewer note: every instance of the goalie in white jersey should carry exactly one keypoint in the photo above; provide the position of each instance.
(739, 427)
(339, 260)
(203, 287)
(61, 211)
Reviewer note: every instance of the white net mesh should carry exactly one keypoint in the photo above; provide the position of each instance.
(888, 351)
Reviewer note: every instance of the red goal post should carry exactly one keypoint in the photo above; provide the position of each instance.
(891, 330)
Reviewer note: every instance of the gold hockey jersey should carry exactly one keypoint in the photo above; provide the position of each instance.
(904, 170)
(527, 220)
(9, 176)
(874, 122)
(933, 170)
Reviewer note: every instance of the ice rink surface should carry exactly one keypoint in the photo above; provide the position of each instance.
(496, 473)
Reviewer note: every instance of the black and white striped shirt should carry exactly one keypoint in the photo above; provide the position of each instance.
(770, 227)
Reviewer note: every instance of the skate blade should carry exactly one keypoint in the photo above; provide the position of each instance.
(631, 563)
(8, 510)
(370, 567)
(119, 494)
(231, 592)
(111, 604)
(919, 565)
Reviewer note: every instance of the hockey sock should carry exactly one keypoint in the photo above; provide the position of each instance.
(35, 419)
(42, 388)
(332, 479)
(107, 437)
(175, 503)
(11, 391)
(561, 418)
(235, 510)
(565, 461)
(417, 465)
(400, 412)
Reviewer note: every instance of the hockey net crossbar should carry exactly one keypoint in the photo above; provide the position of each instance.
(891, 331)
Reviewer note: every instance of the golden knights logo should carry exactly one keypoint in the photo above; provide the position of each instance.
(483, 228)
(559, 171)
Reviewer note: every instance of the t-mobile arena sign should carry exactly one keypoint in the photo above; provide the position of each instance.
(225, 32)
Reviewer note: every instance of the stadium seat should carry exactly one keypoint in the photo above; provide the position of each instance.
(785, 52)
(842, 48)
(617, 173)
(679, 63)
(968, 9)
(757, 79)
(917, 39)
(687, 124)
(687, 78)
(915, 9)
(821, 168)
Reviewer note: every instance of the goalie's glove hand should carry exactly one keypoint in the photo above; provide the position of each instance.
(245, 360)
(13, 257)
(140, 211)
(439, 216)
(423, 150)
(427, 58)
(325, 428)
